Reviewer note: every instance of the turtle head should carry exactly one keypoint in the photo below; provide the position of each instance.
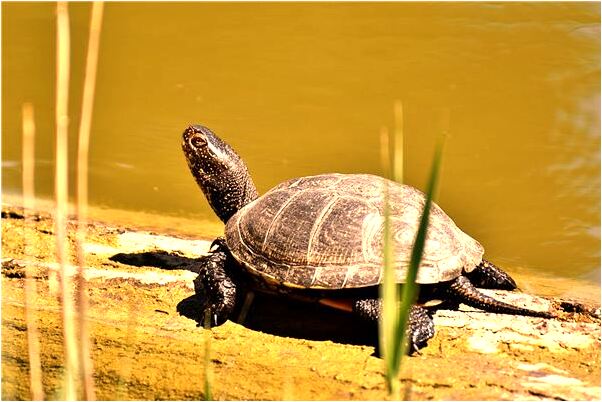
(208, 154)
(218, 170)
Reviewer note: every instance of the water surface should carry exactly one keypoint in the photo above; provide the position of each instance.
(303, 88)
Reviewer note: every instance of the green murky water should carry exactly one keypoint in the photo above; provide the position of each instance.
(303, 88)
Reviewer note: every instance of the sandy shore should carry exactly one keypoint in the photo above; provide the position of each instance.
(147, 342)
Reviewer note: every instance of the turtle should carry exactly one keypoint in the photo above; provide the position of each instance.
(319, 239)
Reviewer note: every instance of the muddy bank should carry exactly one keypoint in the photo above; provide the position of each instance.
(147, 342)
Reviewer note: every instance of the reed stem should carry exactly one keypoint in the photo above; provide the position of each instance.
(61, 194)
(33, 339)
(82, 195)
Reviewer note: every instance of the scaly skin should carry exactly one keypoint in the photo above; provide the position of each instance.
(218, 171)
(215, 287)
(488, 276)
(464, 291)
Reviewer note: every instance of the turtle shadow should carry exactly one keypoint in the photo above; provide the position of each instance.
(157, 259)
(271, 314)
(282, 317)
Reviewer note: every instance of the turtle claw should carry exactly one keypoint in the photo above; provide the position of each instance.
(219, 244)
(420, 329)
(215, 288)
(210, 319)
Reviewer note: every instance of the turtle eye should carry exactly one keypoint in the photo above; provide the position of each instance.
(198, 142)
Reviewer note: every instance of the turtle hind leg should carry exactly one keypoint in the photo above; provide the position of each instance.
(215, 287)
(488, 276)
(465, 292)
(420, 328)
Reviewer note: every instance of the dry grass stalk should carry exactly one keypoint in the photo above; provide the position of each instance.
(398, 142)
(82, 194)
(61, 194)
(33, 339)
(385, 152)
(388, 288)
(208, 371)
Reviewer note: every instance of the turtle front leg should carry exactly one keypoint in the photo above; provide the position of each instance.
(420, 328)
(215, 286)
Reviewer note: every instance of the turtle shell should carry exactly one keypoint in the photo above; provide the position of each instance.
(326, 232)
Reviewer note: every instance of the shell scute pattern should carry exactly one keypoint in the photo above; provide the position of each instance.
(282, 235)
(321, 181)
(300, 275)
(338, 241)
(327, 232)
(253, 228)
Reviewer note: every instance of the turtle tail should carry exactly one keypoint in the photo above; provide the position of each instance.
(465, 292)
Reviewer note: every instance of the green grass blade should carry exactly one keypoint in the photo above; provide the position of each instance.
(410, 289)
(397, 304)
